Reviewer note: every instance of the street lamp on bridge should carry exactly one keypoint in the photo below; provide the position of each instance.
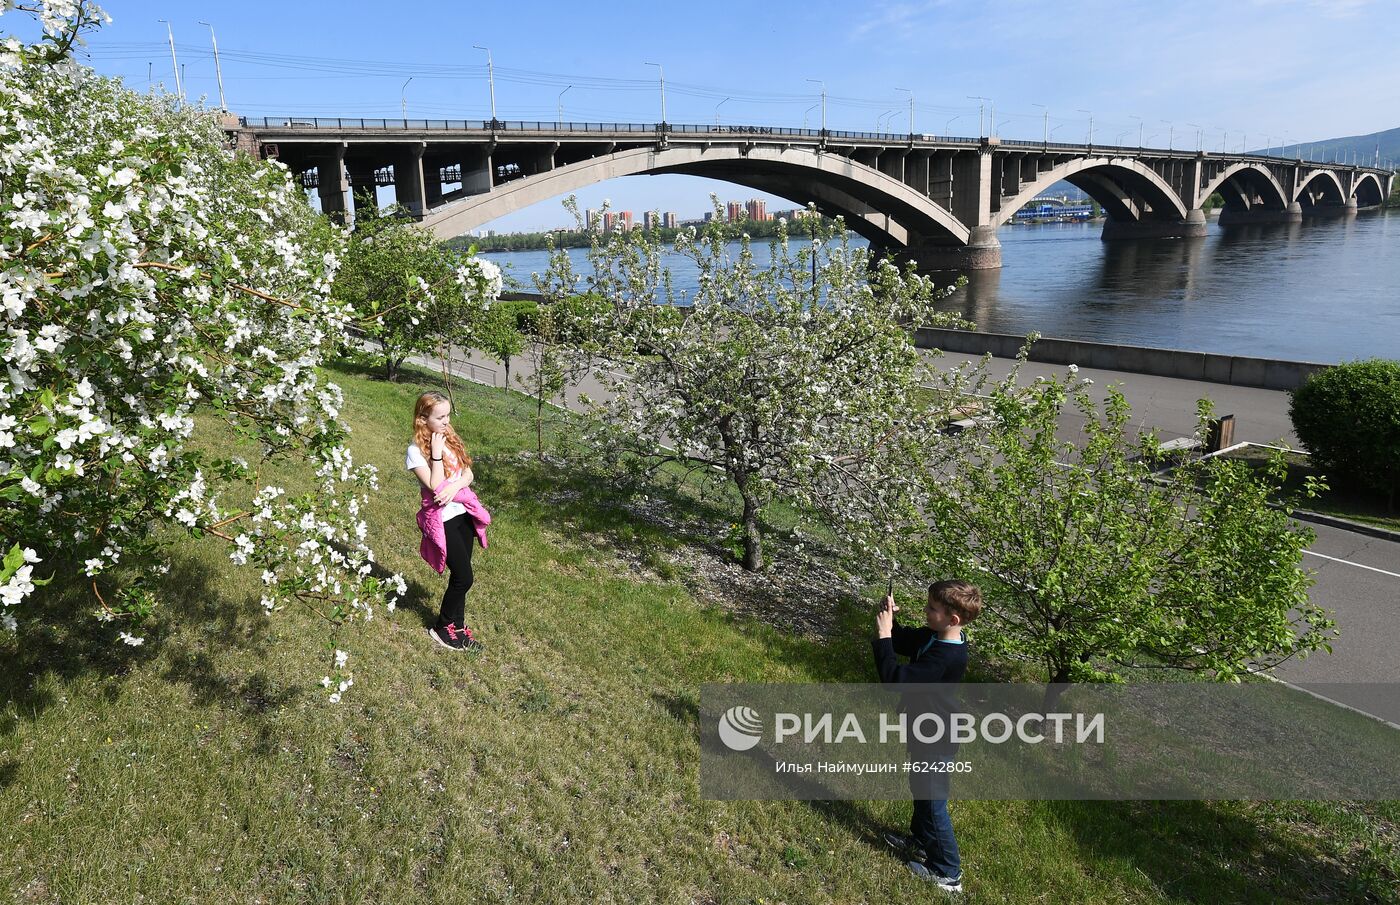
(218, 70)
(948, 126)
(807, 111)
(1200, 135)
(717, 106)
(403, 99)
(174, 63)
(911, 108)
(1171, 133)
(559, 105)
(1091, 125)
(1045, 120)
(1139, 119)
(823, 101)
(490, 81)
(981, 109)
(661, 73)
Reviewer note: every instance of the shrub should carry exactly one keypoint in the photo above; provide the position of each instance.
(1348, 417)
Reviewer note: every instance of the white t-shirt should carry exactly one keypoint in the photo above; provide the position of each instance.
(414, 459)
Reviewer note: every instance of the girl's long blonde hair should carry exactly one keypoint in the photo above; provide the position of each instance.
(454, 454)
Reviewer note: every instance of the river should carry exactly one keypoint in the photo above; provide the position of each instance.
(1322, 290)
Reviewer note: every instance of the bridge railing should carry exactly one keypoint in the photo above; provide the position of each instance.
(342, 123)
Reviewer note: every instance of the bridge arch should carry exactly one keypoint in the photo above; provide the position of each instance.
(835, 183)
(1116, 183)
(1368, 190)
(1240, 183)
(1321, 186)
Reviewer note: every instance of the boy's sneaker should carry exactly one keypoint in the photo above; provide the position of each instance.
(947, 884)
(905, 845)
(454, 638)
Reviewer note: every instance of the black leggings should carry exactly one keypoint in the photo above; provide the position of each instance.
(461, 534)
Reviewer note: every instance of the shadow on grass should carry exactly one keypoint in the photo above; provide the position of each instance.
(1195, 851)
(648, 526)
(61, 642)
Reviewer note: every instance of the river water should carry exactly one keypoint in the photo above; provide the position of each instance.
(1322, 290)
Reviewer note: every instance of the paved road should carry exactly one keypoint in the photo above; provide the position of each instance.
(1358, 577)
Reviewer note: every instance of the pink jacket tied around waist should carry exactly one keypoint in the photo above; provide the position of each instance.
(434, 546)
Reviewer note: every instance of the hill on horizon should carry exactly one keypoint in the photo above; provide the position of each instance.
(1368, 148)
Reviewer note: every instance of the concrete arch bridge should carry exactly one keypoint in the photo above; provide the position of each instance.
(936, 199)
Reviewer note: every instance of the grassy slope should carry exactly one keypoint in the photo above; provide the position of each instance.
(558, 766)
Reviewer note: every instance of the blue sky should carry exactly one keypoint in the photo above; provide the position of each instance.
(1247, 71)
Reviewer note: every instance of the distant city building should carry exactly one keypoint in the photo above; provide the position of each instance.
(669, 219)
(757, 210)
(734, 212)
(651, 219)
(709, 215)
(588, 218)
(609, 220)
(624, 221)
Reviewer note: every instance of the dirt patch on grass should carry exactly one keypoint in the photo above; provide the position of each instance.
(661, 540)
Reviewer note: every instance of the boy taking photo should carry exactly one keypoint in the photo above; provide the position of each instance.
(937, 654)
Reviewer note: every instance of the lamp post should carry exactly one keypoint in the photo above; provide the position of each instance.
(1200, 135)
(1171, 133)
(717, 106)
(996, 129)
(948, 126)
(174, 63)
(403, 99)
(559, 105)
(823, 102)
(981, 110)
(1045, 125)
(807, 111)
(1091, 125)
(911, 109)
(490, 81)
(218, 70)
(661, 73)
(1139, 119)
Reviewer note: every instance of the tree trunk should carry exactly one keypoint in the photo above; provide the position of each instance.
(753, 540)
(506, 361)
(391, 368)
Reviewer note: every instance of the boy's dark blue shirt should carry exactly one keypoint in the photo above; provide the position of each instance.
(926, 683)
(930, 659)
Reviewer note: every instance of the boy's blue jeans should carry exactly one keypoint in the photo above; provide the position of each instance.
(931, 826)
(932, 829)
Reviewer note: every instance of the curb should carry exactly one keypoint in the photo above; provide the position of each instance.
(1333, 521)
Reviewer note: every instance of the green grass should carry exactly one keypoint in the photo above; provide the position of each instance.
(559, 765)
(1354, 505)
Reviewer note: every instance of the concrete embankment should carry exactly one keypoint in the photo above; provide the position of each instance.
(1236, 370)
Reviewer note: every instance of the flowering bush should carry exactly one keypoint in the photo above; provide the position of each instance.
(149, 275)
(417, 293)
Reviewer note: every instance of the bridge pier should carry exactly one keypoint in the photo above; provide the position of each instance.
(332, 186)
(1192, 227)
(1291, 214)
(982, 252)
(409, 189)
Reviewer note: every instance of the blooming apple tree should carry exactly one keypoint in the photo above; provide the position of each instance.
(795, 381)
(161, 296)
(418, 295)
(1096, 557)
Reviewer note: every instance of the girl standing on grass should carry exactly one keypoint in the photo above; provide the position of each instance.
(450, 515)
